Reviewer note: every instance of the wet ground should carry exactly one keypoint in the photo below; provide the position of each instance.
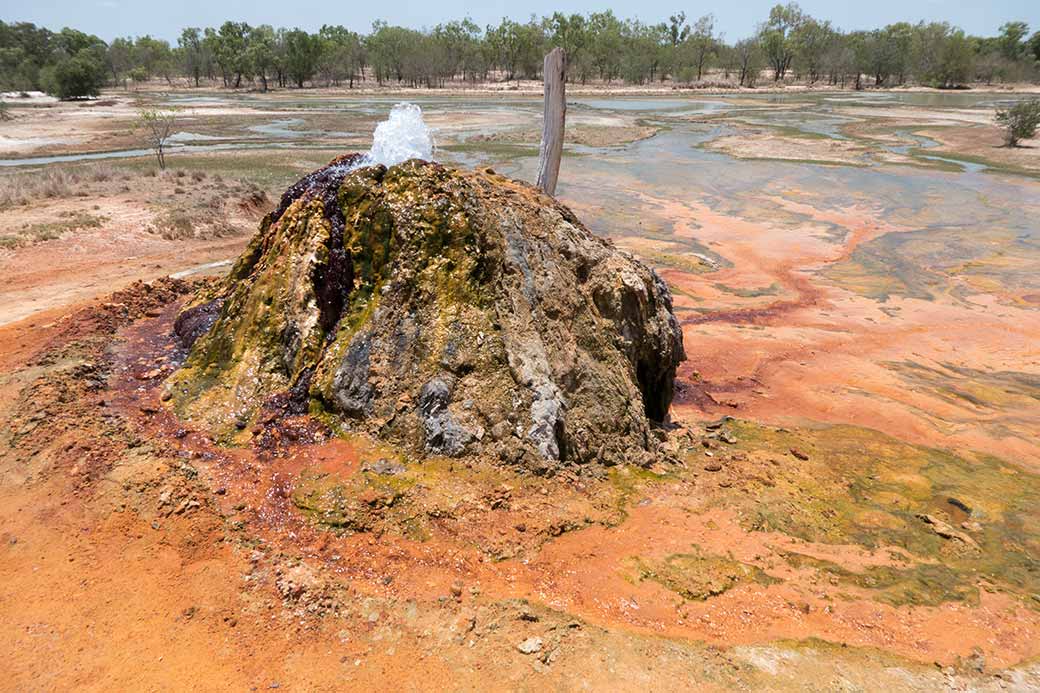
(854, 496)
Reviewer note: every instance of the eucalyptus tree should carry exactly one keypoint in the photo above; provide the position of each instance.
(750, 59)
(811, 40)
(76, 66)
(606, 34)
(302, 52)
(261, 52)
(942, 55)
(193, 54)
(701, 44)
(776, 37)
(229, 44)
(120, 59)
(386, 47)
(571, 33)
(340, 56)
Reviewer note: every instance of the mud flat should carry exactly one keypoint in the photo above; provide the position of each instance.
(848, 495)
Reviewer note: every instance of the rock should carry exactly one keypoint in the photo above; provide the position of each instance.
(530, 646)
(501, 430)
(444, 434)
(976, 661)
(713, 467)
(799, 454)
(384, 466)
(945, 530)
(428, 306)
(195, 321)
(296, 581)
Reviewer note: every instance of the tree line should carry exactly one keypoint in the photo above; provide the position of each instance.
(789, 45)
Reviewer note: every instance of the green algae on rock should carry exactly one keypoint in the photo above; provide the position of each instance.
(452, 312)
(957, 522)
(698, 576)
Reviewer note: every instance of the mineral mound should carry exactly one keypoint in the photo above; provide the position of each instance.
(453, 313)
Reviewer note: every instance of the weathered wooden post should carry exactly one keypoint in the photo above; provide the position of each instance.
(555, 75)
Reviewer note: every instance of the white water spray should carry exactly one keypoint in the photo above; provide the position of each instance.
(400, 137)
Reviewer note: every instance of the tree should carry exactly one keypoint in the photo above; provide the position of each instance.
(120, 59)
(229, 44)
(605, 31)
(1011, 39)
(840, 59)
(776, 37)
(571, 33)
(194, 54)
(1033, 46)
(899, 41)
(340, 55)
(24, 51)
(81, 75)
(875, 55)
(1019, 121)
(678, 29)
(158, 126)
(702, 44)
(519, 48)
(474, 62)
(750, 60)
(260, 52)
(640, 55)
(386, 47)
(154, 57)
(302, 51)
(810, 40)
(955, 64)
(942, 55)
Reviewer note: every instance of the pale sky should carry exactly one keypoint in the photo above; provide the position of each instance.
(111, 18)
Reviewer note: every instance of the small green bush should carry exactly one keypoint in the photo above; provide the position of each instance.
(1020, 121)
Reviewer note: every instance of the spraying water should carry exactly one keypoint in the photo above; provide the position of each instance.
(400, 137)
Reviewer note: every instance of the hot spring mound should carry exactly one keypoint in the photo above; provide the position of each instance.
(452, 313)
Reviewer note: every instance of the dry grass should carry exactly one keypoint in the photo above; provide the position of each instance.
(195, 221)
(185, 204)
(29, 234)
(51, 183)
(207, 216)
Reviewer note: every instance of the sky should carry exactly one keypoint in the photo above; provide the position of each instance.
(111, 18)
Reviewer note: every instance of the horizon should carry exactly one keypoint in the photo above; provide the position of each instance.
(109, 19)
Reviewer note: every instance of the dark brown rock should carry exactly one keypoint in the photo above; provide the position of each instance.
(440, 308)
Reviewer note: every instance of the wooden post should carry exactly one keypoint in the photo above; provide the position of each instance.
(555, 73)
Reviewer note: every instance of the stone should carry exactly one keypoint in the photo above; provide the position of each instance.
(530, 646)
(384, 466)
(946, 531)
(195, 321)
(427, 306)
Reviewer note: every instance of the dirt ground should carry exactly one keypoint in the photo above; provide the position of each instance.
(800, 535)
(137, 555)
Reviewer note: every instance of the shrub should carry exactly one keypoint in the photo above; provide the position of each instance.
(1019, 121)
(77, 76)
